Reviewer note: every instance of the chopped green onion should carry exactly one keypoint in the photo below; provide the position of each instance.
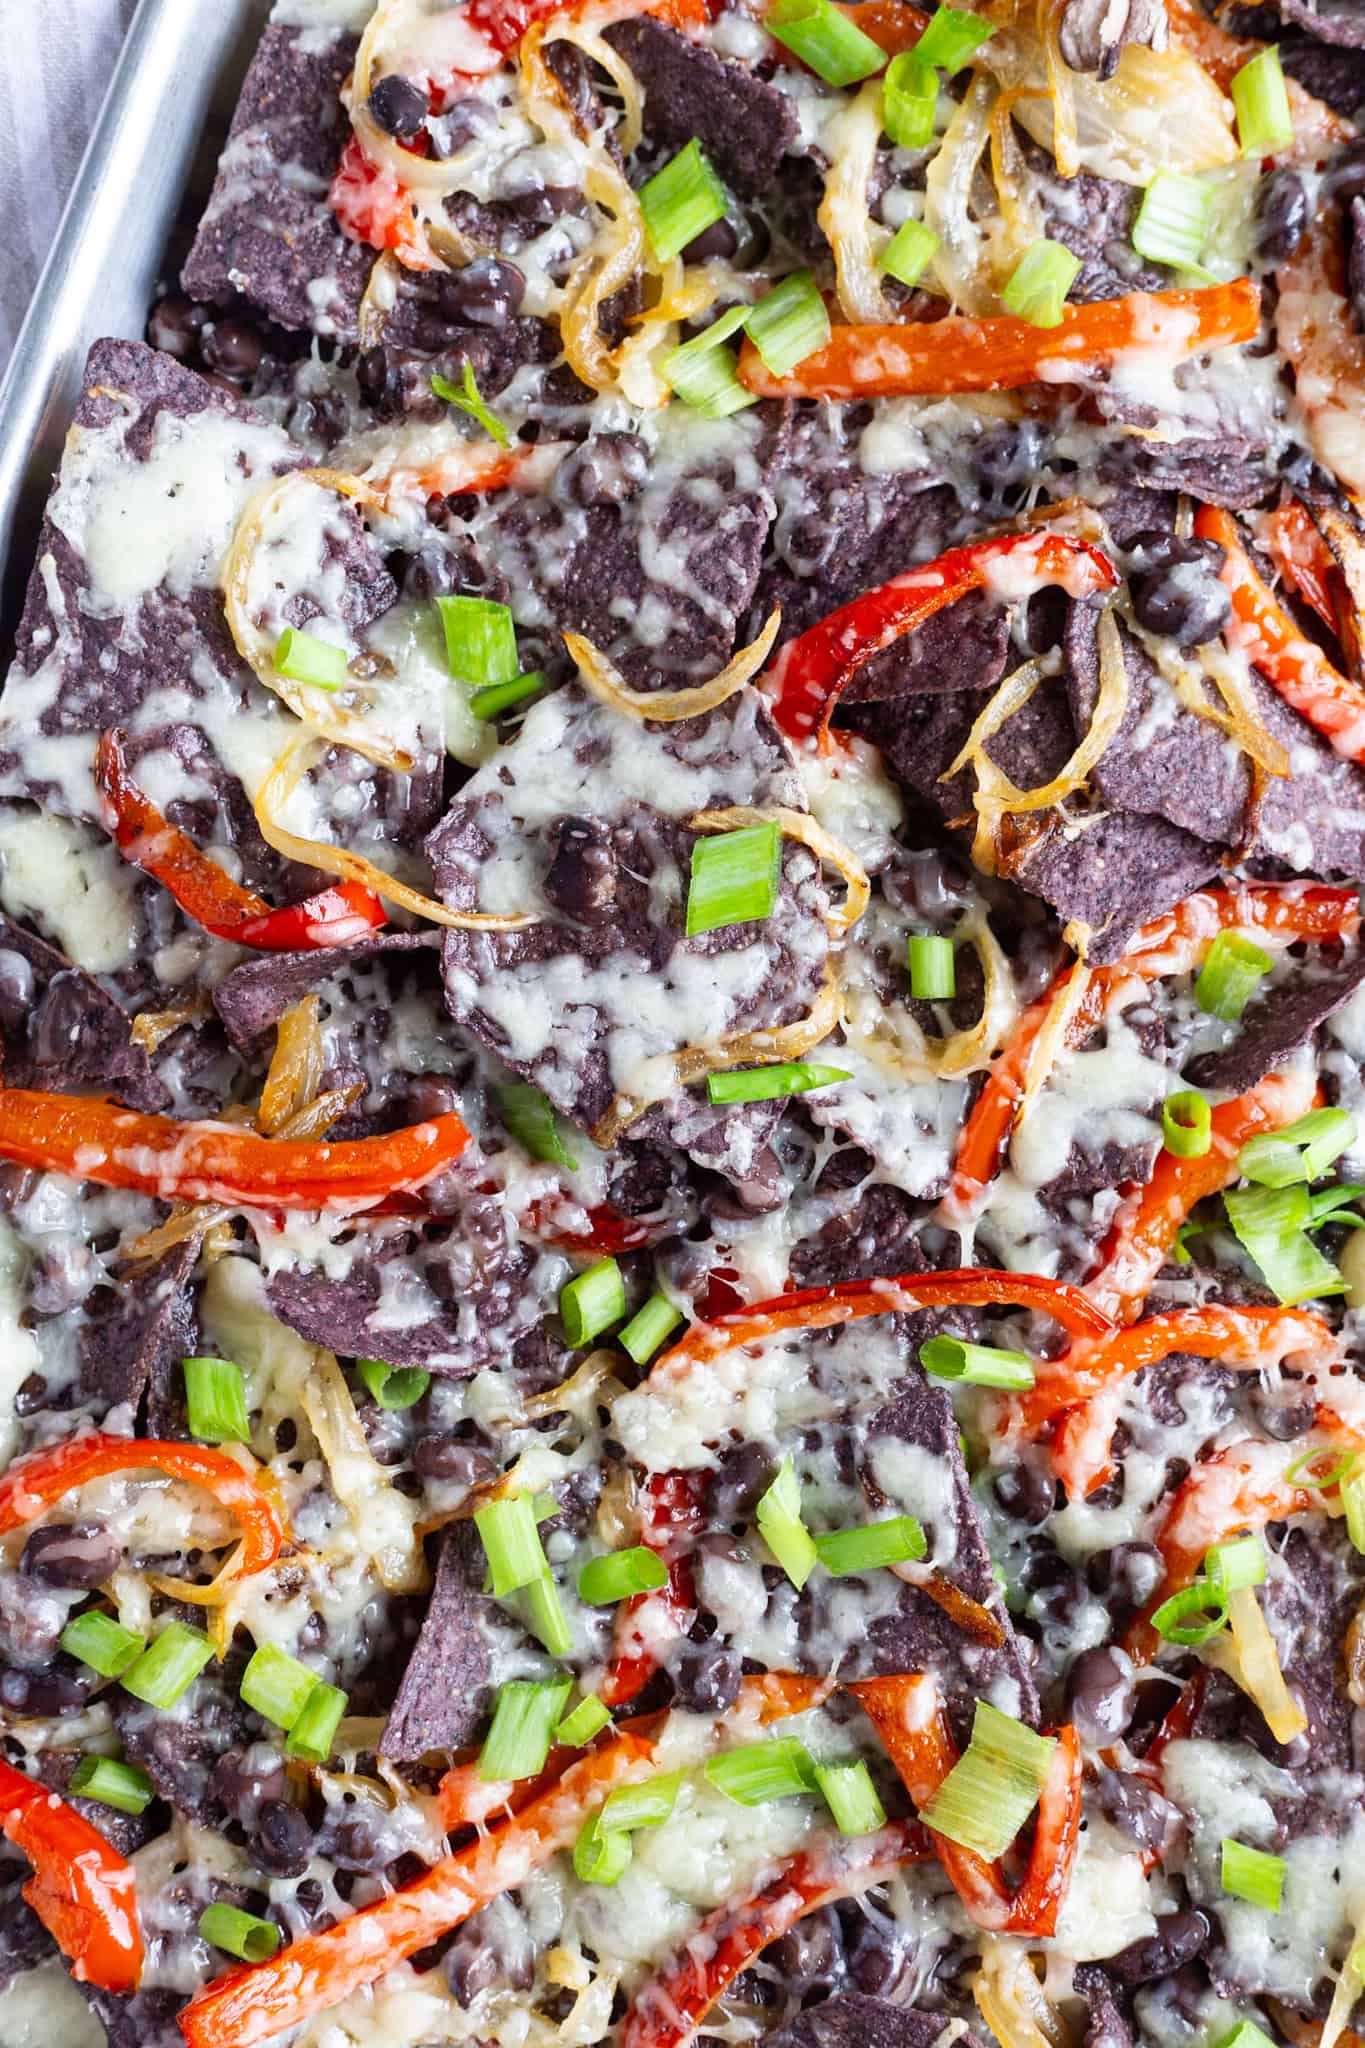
(1301, 1472)
(238, 1933)
(762, 1771)
(531, 1120)
(842, 1551)
(467, 400)
(1252, 1875)
(215, 1394)
(950, 39)
(640, 1806)
(779, 1520)
(1331, 1205)
(909, 101)
(276, 1686)
(1246, 2034)
(681, 201)
(1193, 1615)
(980, 1365)
(1265, 122)
(588, 1718)
(481, 640)
(1352, 1498)
(393, 1386)
(735, 878)
(545, 1616)
(599, 1857)
(1173, 221)
(851, 1796)
(834, 47)
(788, 324)
(511, 1540)
(765, 1084)
(1301, 1151)
(96, 1639)
(1186, 1124)
(313, 1734)
(526, 1715)
(1039, 283)
(933, 969)
(304, 658)
(169, 1665)
(648, 1327)
(994, 1786)
(495, 698)
(591, 1302)
(908, 252)
(1271, 1224)
(1229, 1566)
(702, 373)
(113, 1784)
(621, 1573)
(1233, 969)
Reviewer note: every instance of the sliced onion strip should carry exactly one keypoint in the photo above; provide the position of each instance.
(853, 138)
(605, 682)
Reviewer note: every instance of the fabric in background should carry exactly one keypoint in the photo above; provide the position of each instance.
(56, 57)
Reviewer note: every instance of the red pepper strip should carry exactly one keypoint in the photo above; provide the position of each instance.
(892, 24)
(648, 1622)
(32, 1484)
(97, 1141)
(933, 358)
(1147, 1223)
(1295, 667)
(809, 674)
(669, 2008)
(1304, 559)
(335, 917)
(608, 1230)
(82, 1890)
(318, 1971)
(505, 22)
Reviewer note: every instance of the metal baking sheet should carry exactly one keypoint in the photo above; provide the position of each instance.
(145, 176)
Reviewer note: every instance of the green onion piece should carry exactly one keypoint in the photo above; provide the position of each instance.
(545, 1616)
(1039, 283)
(277, 1686)
(1246, 2034)
(1173, 220)
(621, 1573)
(851, 1796)
(640, 1806)
(980, 1365)
(909, 101)
(599, 1857)
(313, 1734)
(588, 1718)
(238, 1933)
(1186, 1124)
(215, 1394)
(835, 48)
(113, 1784)
(1301, 1151)
(1252, 1875)
(933, 969)
(908, 252)
(304, 658)
(1340, 1466)
(788, 324)
(1271, 1161)
(481, 640)
(495, 698)
(467, 400)
(735, 878)
(1271, 1224)
(1352, 1498)
(779, 1520)
(761, 1771)
(842, 1551)
(531, 1120)
(1193, 1615)
(96, 1639)
(1233, 968)
(511, 1540)
(993, 1787)
(648, 1327)
(1236, 1564)
(1259, 93)
(591, 1302)
(703, 374)
(169, 1665)
(1331, 1205)
(526, 1715)
(681, 201)
(765, 1084)
(393, 1386)
(950, 39)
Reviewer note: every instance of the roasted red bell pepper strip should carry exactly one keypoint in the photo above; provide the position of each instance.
(1295, 667)
(931, 358)
(255, 2004)
(893, 25)
(648, 1622)
(806, 679)
(97, 1141)
(82, 1890)
(505, 22)
(32, 1484)
(608, 1230)
(1304, 559)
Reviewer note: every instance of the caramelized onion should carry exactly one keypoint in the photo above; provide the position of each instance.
(603, 681)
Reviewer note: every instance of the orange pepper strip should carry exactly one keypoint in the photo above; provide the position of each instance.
(82, 1890)
(213, 1162)
(31, 1485)
(1304, 559)
(956, 354)
(318, 1971)
(1295, 667)
(670, 2007)
(1316, 127)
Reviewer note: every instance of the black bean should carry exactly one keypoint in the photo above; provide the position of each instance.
(65, 1276)
(1026, 1493)
(32, 1394)
(453, 1463)
(1127, 1575)
(1283, 1412)
(706, 1678)
(16, 991)
(282, 1841)
(1009, 453)
(176, 324)
(1175, 588)
(720, 239)
(1099, 1691)
(42, 1693)
(470, 1967)
(434, 572)
(740, 1478)
(810, 1955)
(70, 1554)
(1179, 1938)
(488, 292)
(1136, 1808)
(398, 106)
(245, 1779)
(609, 469)
(234, 347)
(582, 876)
(464, 123)
(429, 1095)
(1281, 216)
(879, 1956)
(61, 1016)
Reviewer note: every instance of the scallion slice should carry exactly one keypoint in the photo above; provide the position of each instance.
(907, 254)
(735, 878)
(1301, 1151)
(1272, 1224)
(1338, 1466)
(587, 1719)
(1039, 283)
(215, 1396)
(1239, 1563)
(96, 1639)
(951, 37)
(393, 1386)
(526, 1715)
(305, 658)
(909, 101)
(599, 1857)
(591, 1302)
(169, 1665)
(511, 1540)
(531, 1119)
(239, 1934)
(762, 1771)
(1252, 1875)
(1186, 1124)
(779, 1521)
(788, 324)
(647, 1805)
(702, 372)
(1246, 2034)
(681, 201)
(648, 1328)
(1332, 1205)
(621, 1573)
(933, 968)
(1192, 1615)
(1233, 970)
(113, 1784)
(466, 399)
(1353, 1503)
(834, 47)
(765, 1084)
(545, 1616)
(276, 1686)
(495, 698)
(868, 1549)
(1265, 121)
(481, 640)
(313, 1734)
(1173, 220)
(994, 1786)
(851, 1796)
(980, 1365)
